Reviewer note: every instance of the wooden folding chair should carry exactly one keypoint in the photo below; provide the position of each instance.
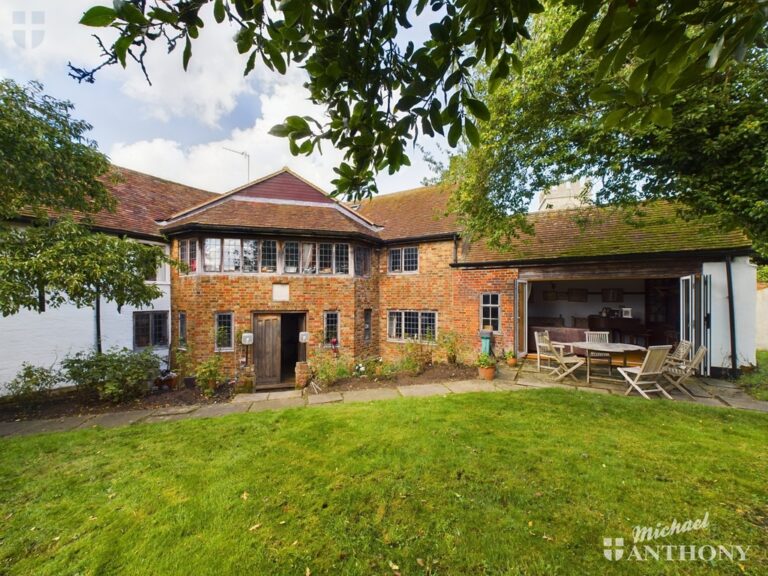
(645, 378)
(677, 374)
(545, 347)
(591, 336)
(680, 354)
(566, 365)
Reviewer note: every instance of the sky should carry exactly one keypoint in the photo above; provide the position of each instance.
(179, 127)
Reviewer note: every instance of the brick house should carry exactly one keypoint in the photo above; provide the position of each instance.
(278, 258)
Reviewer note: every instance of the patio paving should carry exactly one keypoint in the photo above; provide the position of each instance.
(706, 391)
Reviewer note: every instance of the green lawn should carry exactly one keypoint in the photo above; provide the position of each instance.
(756, 383)
(505, 483)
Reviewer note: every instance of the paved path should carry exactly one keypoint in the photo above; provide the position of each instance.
(706, 391)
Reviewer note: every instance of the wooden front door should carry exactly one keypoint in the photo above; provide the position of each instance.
(266, 348)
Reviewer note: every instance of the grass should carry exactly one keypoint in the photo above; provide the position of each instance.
(756, 383)
(505, 483)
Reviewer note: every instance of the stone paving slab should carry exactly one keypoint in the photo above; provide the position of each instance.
(277, 404)
(746, 404)
(218, 410)
(39, 426)
(420, 390)
(370, 395)
(507, 387)
(115, 419)
(255, 397)
(284, 394)
(154, 419)
(173, 410)
(325, 398)
(463, 387)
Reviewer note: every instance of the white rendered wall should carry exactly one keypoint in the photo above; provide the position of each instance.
(744, 299)
(762, 317)
(44, 339)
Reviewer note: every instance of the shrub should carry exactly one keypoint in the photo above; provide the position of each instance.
(328, 368)
(32, 380)
(484, 360)
(449, 343)
(116, 375)
(762, 273)
(209, 375)
(416, 357)
(183, 363)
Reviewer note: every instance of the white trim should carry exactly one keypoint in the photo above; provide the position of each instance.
(216, 329)
(499, 331)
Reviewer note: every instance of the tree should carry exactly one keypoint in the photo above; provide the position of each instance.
(51, 183)
(556, 122)
(381, 92)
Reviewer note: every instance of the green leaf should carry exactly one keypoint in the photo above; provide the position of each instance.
(613, 118)
(121, 47)
(280, 130)
(98, 17)
(575, 33)
(187, 53)
(251, 62)
(219, 13)
(407, 102)
(479, 109)
(661, 116)
(454, 133)
(472, 134)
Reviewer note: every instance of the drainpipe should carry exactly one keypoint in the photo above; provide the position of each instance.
(98, 323)
(731, 313)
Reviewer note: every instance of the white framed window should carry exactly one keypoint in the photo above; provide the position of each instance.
(403, 260)
(341, 258)
(291, 258)
(490, 311)
(224, 331)
(188, 254)
(212, 255)
(269, 256)
(419, 325)
(182, 329)
(331, 328)
(325, 258)
(250, 256)
(232, 250)
(150, 329)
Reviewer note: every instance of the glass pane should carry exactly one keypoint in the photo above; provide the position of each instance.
(342, 259)
(192, 255)
(183, 254)
(224, 330)
(325, 259)
(367, 320)
(141, 336)
(395, 255)
(308, 258)
(291, 257)
(331, 328)
(411, 325)
(428, 326)
(410, 259)
(250, 255)
(231, 255)
(269, 256)
(160, 329)
(182, 328)
(396, 325)
(362, 261)
(212, 254)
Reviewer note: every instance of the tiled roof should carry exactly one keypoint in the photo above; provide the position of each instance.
(234, 213)
(595, 232)
(416, 213)
(142, 199)
(279, 201)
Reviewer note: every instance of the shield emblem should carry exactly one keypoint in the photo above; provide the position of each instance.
(28, 29)
(613, 548)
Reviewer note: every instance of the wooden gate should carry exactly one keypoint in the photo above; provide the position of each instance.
(266, 348)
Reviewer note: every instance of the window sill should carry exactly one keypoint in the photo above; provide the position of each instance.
(389, 273)
(223, 349)
(422, 342)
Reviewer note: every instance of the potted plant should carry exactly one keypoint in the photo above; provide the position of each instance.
(486, 366)
(511, 358)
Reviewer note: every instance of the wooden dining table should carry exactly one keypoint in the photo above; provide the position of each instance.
(610, 348)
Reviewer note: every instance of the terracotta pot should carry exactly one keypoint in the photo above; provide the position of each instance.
(487, 373)
(512, 361)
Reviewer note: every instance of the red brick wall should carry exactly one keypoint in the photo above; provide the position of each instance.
(453, 293)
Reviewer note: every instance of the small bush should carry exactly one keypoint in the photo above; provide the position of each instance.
(416, 357)
(484, 360)
(449, 344)
(33, 380)
(183, 363)
(116, 375)
(209, 375)
(328, 368)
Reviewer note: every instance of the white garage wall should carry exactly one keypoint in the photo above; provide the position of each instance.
(762, 317)
(744, 298)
